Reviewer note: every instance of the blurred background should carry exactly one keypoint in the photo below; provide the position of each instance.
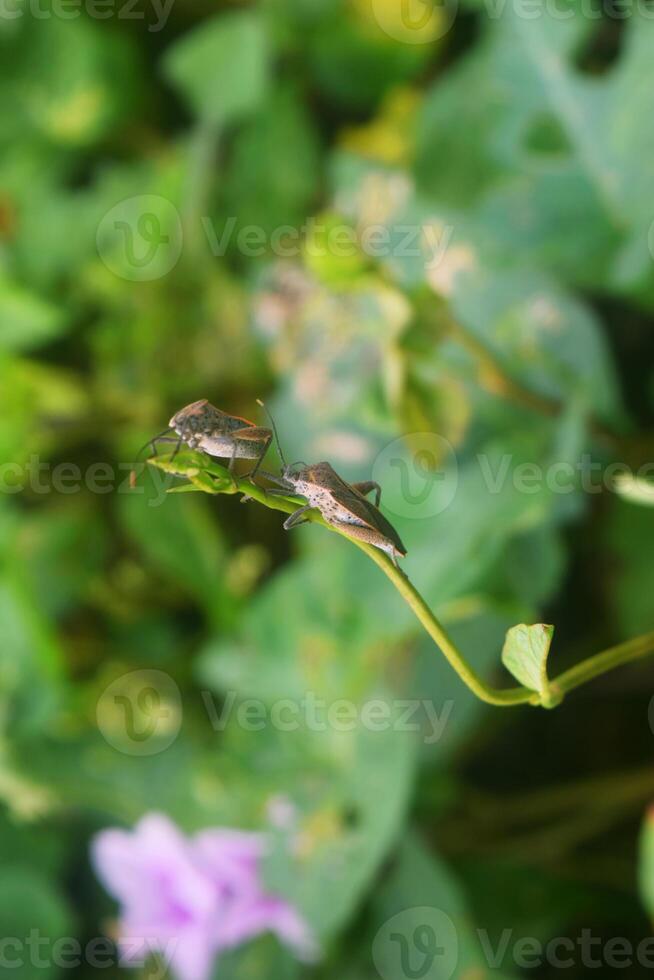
(424, 236)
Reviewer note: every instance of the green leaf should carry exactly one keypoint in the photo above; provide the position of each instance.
(550, 158)
(540, 333)
(422, 898)
(525, 654)
(31, 660)
(301, 631)
(70, 79)
(263, 958)
(60, 549)
(178, 535)
(344, 832)
(274, 169)
(188, 463)
(26, 320)
(30, 905)
(221, 67)
(186, 488)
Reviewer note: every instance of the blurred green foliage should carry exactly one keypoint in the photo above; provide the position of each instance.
(507, 168)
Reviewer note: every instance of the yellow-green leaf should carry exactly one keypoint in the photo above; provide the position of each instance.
(525, 654)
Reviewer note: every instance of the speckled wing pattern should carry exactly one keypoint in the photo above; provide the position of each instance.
(359, 505)
(230, 423)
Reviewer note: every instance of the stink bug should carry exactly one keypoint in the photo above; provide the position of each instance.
(343, 505)
(201, 425)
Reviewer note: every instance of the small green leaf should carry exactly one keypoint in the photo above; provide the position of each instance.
(190, 464)
(185, 488)
(525, 654)
(204, 475)
(204, 482)
(221, 67)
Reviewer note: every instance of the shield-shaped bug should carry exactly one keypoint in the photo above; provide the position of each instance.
(343, 505)
(202, 426)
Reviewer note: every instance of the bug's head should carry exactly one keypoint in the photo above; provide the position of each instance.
(294, 472)
(185, 419)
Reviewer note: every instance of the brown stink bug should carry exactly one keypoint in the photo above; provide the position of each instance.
(343, 505)
(202, 426)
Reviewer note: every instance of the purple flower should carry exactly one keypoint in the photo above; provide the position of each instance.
(189, 898)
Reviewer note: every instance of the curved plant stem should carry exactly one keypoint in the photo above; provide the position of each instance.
(440, 636)
(601, 663)
(505, 697)
(511, 696)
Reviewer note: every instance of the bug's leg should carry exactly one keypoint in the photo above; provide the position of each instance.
(298, 517)
(230, 467)
(180, 440)
(260, 460)
(255, 434)
(151, 444)
(279, 480)
(367, 487)
(155, 442)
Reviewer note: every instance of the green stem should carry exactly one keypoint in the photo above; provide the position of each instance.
(506, 697)
(601, 663)
(511, 696)
(442, 639)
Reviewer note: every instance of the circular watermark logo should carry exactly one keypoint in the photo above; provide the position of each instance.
(650, 239)
(650, 714)
(140, 238)
(419, 474)
(140, 713)
(417, 944)
(415, 21)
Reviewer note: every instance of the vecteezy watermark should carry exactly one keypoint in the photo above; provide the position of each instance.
(423, 944)
(564, 952)
(564, 10)
(41, 952)
(426, 21)
(427, 241)
(141, 239)
(154, 13)
(585, 475)
(415, 21)
(417, 944)
(650, 714)
(140, 713)
(419, 474)
(317, 714)
(40, 477)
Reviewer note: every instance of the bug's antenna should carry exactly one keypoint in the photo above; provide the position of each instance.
(150, 442)
(274, 428)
